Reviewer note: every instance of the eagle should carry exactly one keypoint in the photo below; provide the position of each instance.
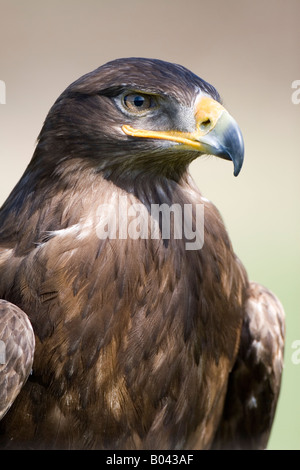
(117, 333)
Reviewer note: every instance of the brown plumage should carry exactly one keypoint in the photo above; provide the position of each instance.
(17, 348)
(140, 343)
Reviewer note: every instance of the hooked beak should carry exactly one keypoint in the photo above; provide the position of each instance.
(216, 133)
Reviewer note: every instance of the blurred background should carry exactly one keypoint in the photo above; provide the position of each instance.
(250, 51)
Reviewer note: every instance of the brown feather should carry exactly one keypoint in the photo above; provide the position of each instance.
(254, 383)
(17, 350)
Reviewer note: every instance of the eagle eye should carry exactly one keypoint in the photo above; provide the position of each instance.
(138, 103)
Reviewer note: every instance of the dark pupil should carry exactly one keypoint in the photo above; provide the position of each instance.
(138, 101)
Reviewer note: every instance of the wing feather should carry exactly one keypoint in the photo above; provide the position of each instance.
(254, 383)
(17, 345)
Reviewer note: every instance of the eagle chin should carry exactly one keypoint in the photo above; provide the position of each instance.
(119, 333)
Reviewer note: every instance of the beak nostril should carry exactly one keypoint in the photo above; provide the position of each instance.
(205, 125)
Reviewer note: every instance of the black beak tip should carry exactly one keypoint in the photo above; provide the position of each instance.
(238, 159)
(231, 145)
(236, 150)
(237, 166)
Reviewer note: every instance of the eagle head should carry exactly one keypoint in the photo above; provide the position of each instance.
(140, 114)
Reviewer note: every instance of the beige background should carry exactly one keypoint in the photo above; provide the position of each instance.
(249, 50)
